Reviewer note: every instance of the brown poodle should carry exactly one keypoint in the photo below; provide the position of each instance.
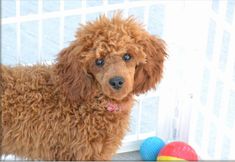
(79, 108)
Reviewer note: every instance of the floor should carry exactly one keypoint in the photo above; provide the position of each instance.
(130, 156)
(127, 156)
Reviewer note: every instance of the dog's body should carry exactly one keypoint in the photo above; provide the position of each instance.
(52, 128)
(79, 108)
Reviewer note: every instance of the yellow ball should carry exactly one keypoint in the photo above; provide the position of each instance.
(169, 158)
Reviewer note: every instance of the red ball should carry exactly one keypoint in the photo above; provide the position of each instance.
(177, 150)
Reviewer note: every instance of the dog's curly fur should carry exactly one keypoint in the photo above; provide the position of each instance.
(60, 111)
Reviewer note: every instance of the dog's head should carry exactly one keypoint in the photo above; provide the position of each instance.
(114, 56)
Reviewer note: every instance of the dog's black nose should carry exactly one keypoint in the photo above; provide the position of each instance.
(116, 82)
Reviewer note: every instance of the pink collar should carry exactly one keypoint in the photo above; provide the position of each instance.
(112, 107)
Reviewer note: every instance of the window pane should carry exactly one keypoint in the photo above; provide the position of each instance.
(156, 19)
(28, 7)
(211, 38)
(72, 4)
(8, 8)
(71, 24)
(149, 114)
(8, 40)
(224, 50)
(134, 120)
(51, 5)
(205, 85)
(50, 39)
(93, 3)
(137, 13)
(29, 42)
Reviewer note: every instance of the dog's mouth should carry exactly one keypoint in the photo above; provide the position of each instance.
(117, 96)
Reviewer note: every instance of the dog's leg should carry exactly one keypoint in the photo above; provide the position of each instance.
(1, 136)
(1, 92)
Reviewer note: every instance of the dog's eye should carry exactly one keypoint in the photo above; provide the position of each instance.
(126, 57)
(99, 62)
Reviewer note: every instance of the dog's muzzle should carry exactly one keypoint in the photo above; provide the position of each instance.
(116, 82)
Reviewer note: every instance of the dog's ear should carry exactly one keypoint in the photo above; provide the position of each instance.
(73, 76)
(148, 74)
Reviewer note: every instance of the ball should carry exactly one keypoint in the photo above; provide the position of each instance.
(150, 148)
(177, 151)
